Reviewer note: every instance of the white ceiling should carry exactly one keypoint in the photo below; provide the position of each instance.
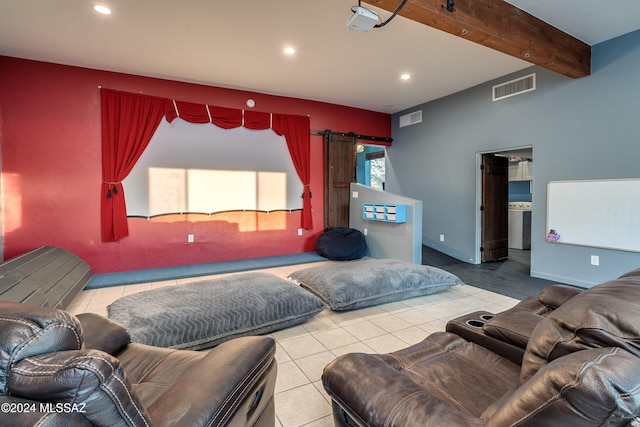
(239, 43)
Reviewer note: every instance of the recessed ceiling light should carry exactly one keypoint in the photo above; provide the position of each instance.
(405, 76)
(289, 50)
(102, 9)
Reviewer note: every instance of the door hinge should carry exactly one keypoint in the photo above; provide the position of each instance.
(481, 249)
(481, 167)
(481, 208)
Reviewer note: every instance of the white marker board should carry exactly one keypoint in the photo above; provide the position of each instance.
(596, 213)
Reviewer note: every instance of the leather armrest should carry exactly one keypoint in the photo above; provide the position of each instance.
(550, 298)
(383, 396)
(595, 386)
(103, 334)
(90, 382)
(512, 326)
(472, 331)
(230, 386)
(632, 273)
(556, 295)
(530, 304)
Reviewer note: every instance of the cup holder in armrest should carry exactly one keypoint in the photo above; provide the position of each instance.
(475, 323)
(486, 317)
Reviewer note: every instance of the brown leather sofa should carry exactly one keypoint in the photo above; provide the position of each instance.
(57, 369)
(581, 367)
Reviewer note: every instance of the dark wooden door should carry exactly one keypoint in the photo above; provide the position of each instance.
(340, 172)
(495, 208)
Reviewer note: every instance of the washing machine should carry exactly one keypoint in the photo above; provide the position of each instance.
(520, 225)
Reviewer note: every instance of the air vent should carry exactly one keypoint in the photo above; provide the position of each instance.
(514, 87)
(411, 118)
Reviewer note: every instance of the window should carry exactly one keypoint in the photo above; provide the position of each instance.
(375, 165)
(371, 166)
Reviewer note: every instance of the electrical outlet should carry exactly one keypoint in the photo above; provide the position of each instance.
(595, 260)
(442, 237)
(299, 231)
(190, 238)
(355, 195)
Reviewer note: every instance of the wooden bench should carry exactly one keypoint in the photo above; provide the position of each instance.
(47, 276)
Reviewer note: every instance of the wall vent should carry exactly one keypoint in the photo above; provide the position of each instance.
(514, 87)
(411, 118)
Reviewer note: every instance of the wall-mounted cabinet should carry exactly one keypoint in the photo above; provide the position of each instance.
(384, 212)
(521, 171)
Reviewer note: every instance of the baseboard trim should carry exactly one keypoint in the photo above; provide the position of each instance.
(562, 279)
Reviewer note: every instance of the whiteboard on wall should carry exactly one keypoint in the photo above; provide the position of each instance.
(596, 213)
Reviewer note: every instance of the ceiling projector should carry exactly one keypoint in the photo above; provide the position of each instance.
(362, 19)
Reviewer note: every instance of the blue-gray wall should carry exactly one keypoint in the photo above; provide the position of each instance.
(586, 128)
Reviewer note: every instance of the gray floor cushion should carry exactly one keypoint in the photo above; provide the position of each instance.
(355, 284)
(203, 314)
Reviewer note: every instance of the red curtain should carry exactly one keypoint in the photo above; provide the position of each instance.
(256, 120)
(226, 118)
(192, 113)
(296, 131)
(130, 120)
(128, 123)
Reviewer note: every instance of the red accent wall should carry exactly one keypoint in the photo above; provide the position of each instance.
(50, 150)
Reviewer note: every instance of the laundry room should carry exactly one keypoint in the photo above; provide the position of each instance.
(520, 197)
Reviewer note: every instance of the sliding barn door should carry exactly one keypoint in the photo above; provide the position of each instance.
(340, 172)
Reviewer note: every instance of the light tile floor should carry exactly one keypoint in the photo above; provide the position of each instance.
(304, 350)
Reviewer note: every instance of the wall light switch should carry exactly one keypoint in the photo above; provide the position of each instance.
(595, 260)
(355, 194)
(442, 237)
(190, 238)
(299, 231)
(364, 231)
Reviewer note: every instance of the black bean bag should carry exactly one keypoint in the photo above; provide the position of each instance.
(341, 244)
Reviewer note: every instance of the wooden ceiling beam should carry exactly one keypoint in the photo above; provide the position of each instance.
(503, 27)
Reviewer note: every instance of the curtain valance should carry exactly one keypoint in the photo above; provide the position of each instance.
(130, 120)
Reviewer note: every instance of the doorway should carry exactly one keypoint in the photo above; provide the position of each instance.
(520, 190)
(493, 210)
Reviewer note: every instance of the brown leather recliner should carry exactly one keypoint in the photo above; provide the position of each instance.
(581, 367)
(508, 332)
(57, 369)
